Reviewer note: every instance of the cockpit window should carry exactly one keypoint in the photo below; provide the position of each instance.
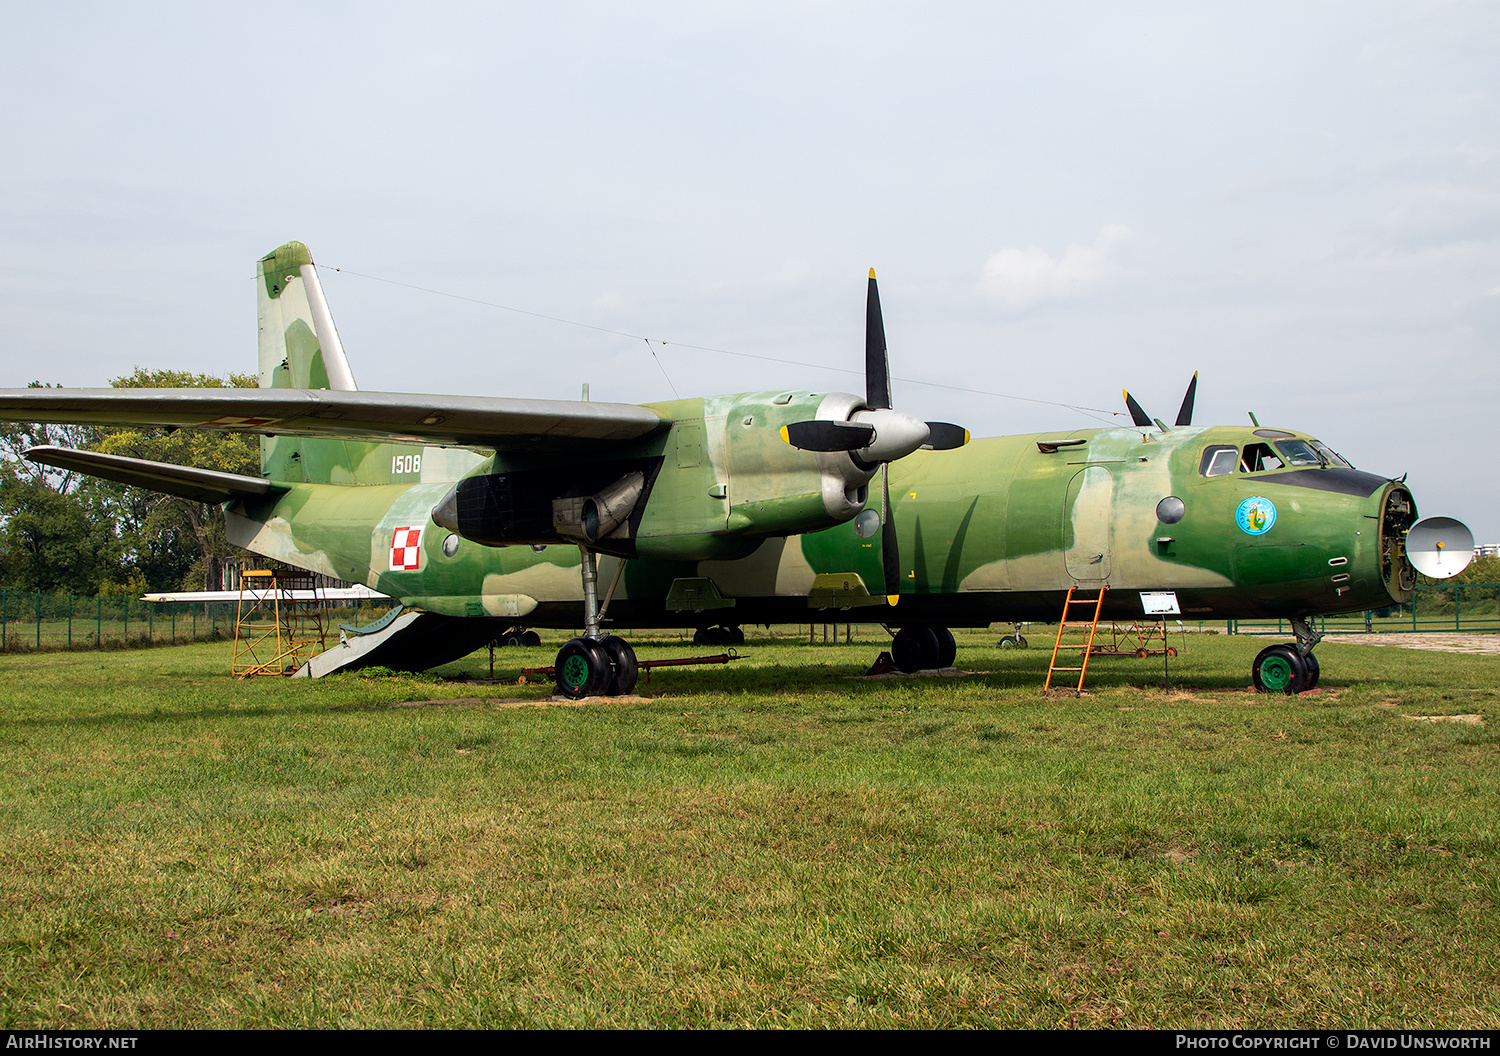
(1258, 458)
(1299, 453)
(1333, 457)
(1218, 461)
(1309, 453)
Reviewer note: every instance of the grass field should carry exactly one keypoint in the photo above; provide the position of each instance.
(770, 844)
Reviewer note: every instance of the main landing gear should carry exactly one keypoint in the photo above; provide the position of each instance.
(724, 634)
(597, 664)
(1290, 668)
(922, 647)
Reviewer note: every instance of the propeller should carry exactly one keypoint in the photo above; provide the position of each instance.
(877, 434)
(1184, 413)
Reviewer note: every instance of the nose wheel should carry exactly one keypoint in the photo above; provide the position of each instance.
(1283, 669)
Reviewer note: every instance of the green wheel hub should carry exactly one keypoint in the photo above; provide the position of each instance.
(1277, 674)
(575, 671)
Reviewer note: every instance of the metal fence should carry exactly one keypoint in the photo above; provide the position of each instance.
(37, 620)
(1441, 607)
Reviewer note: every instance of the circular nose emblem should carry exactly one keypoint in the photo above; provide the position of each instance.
(1255, 515)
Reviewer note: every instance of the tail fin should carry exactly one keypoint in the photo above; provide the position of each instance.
(299, 347)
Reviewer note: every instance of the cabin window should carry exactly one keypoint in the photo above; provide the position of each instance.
(1218, 461)
(1259, 458)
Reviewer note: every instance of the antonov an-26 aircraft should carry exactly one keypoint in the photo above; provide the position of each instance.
(479, 512)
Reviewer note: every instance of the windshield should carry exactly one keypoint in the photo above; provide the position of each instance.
(1308, 453)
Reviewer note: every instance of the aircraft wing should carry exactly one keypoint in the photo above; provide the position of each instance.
(200, 485)
(495, 423)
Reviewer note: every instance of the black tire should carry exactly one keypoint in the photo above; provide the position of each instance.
(1021, 642)
(1280, 669)
(531, 638)
(623, 665)
(1311, 660)
(736, 636)
(510, 639)
(582, 669)
(915, 649)
(947, 650)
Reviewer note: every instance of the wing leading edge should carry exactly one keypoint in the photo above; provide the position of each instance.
(495, 423)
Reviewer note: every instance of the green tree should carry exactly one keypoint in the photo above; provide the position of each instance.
(54, 540)
(176, 542)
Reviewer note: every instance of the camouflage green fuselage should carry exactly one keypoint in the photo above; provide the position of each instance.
(996, 530)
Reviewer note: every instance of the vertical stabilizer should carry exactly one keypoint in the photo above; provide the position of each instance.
(299, 346)
(300, 349)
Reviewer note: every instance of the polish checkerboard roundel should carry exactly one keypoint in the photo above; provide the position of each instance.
(406, 549)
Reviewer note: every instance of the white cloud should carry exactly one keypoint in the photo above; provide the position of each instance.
(1018, 278)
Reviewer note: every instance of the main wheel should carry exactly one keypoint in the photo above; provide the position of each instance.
(511, 638)
(1311, 660)
(915, 649)
(947, 650)
(531, 638)
(1280, 669)
(582, 669)
(622, 660)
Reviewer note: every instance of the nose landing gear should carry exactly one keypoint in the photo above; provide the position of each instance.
(1290, 668)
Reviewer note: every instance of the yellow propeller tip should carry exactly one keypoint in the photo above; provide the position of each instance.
(872, 273)
(891, 599)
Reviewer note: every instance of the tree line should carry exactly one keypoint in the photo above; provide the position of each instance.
(71, 533)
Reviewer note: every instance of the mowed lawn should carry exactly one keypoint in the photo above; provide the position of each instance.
(775, 843)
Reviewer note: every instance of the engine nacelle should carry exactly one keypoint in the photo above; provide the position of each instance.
(776, 489)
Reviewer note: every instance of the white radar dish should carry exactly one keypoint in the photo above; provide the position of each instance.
(1440, 547)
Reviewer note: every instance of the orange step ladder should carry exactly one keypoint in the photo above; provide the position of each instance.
(1065, 624)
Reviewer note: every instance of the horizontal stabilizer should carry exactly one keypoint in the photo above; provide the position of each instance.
(459, 421)
(355, 593)
(200, 485)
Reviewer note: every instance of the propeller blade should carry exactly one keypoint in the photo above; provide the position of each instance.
(1138, 416)
(890, 557)
(1185, 412)
(877, 366)
(820, 435)
(945, 436)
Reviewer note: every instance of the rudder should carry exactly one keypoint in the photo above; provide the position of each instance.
(299, 346)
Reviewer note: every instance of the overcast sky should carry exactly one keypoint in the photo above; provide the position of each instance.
(1299, 200)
